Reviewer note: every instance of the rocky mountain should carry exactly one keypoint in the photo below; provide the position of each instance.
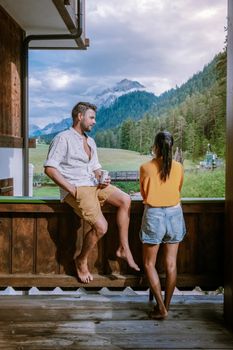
(103, 100)
(132, 105)
(34, 130)
(108, 96)
(52, 128)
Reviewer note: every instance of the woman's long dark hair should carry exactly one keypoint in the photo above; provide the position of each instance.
(163, 146)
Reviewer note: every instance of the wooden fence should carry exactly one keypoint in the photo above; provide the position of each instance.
(38, 239)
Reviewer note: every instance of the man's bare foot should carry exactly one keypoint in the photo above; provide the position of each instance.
(158, 314)
(82, 271)
(125, 254)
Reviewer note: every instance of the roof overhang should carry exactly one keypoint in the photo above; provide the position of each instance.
(39, 18)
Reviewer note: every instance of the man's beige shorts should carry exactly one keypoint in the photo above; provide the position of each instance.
(89, 200)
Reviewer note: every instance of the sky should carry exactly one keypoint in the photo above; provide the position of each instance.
(159, 43)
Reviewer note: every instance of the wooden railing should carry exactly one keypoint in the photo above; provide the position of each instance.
(38, 239)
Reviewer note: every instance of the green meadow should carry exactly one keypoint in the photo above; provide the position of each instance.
(110, 158)
(198, 183)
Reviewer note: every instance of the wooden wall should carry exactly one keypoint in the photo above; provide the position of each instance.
(39, 239)
(228, 286)
(11, 40)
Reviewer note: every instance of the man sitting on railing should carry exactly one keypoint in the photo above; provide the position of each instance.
(72, 163)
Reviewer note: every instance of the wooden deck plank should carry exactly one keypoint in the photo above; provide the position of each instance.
(110, 327)
(120, 341)
(94, 321)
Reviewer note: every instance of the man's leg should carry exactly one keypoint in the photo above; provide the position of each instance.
(122, 201)
(149, 260)
(99, 228)
(88, 208)
(170, 257)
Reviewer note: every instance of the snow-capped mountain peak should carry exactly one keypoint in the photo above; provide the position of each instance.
(108, 96)
(51, 128)
(104, 99)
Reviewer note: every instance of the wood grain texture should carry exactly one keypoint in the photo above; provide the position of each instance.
(11, 42)
(116, 322)
(5, 244)
(22, 244)
(44, 245)
(47, 236)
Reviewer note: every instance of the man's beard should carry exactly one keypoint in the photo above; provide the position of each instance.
(88, 129)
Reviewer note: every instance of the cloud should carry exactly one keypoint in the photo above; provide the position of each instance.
(35, 83)
(160, 43)
(41, 102)
(57, 79)
(53, 79)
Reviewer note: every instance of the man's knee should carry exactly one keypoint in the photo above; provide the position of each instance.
(101, 228)
(125, 200)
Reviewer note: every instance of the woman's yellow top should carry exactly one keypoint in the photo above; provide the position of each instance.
(157, 193)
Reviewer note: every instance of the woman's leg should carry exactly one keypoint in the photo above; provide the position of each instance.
(149, 260)
(170, 257)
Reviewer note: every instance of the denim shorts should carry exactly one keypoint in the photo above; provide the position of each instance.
(162, 225)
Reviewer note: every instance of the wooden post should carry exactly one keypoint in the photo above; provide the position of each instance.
(6, 187)
(228, 287)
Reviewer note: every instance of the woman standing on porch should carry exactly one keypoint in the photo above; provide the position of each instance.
(160, 185)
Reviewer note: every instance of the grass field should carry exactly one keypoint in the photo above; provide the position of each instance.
(110, 159)
(197, 183)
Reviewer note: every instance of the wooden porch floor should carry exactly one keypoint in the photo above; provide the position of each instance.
(110, 320)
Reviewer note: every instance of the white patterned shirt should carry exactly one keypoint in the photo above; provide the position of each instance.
(66, 154)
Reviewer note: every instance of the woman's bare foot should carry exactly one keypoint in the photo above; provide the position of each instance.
(158, 314)
(82, 271)
(125, 254)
